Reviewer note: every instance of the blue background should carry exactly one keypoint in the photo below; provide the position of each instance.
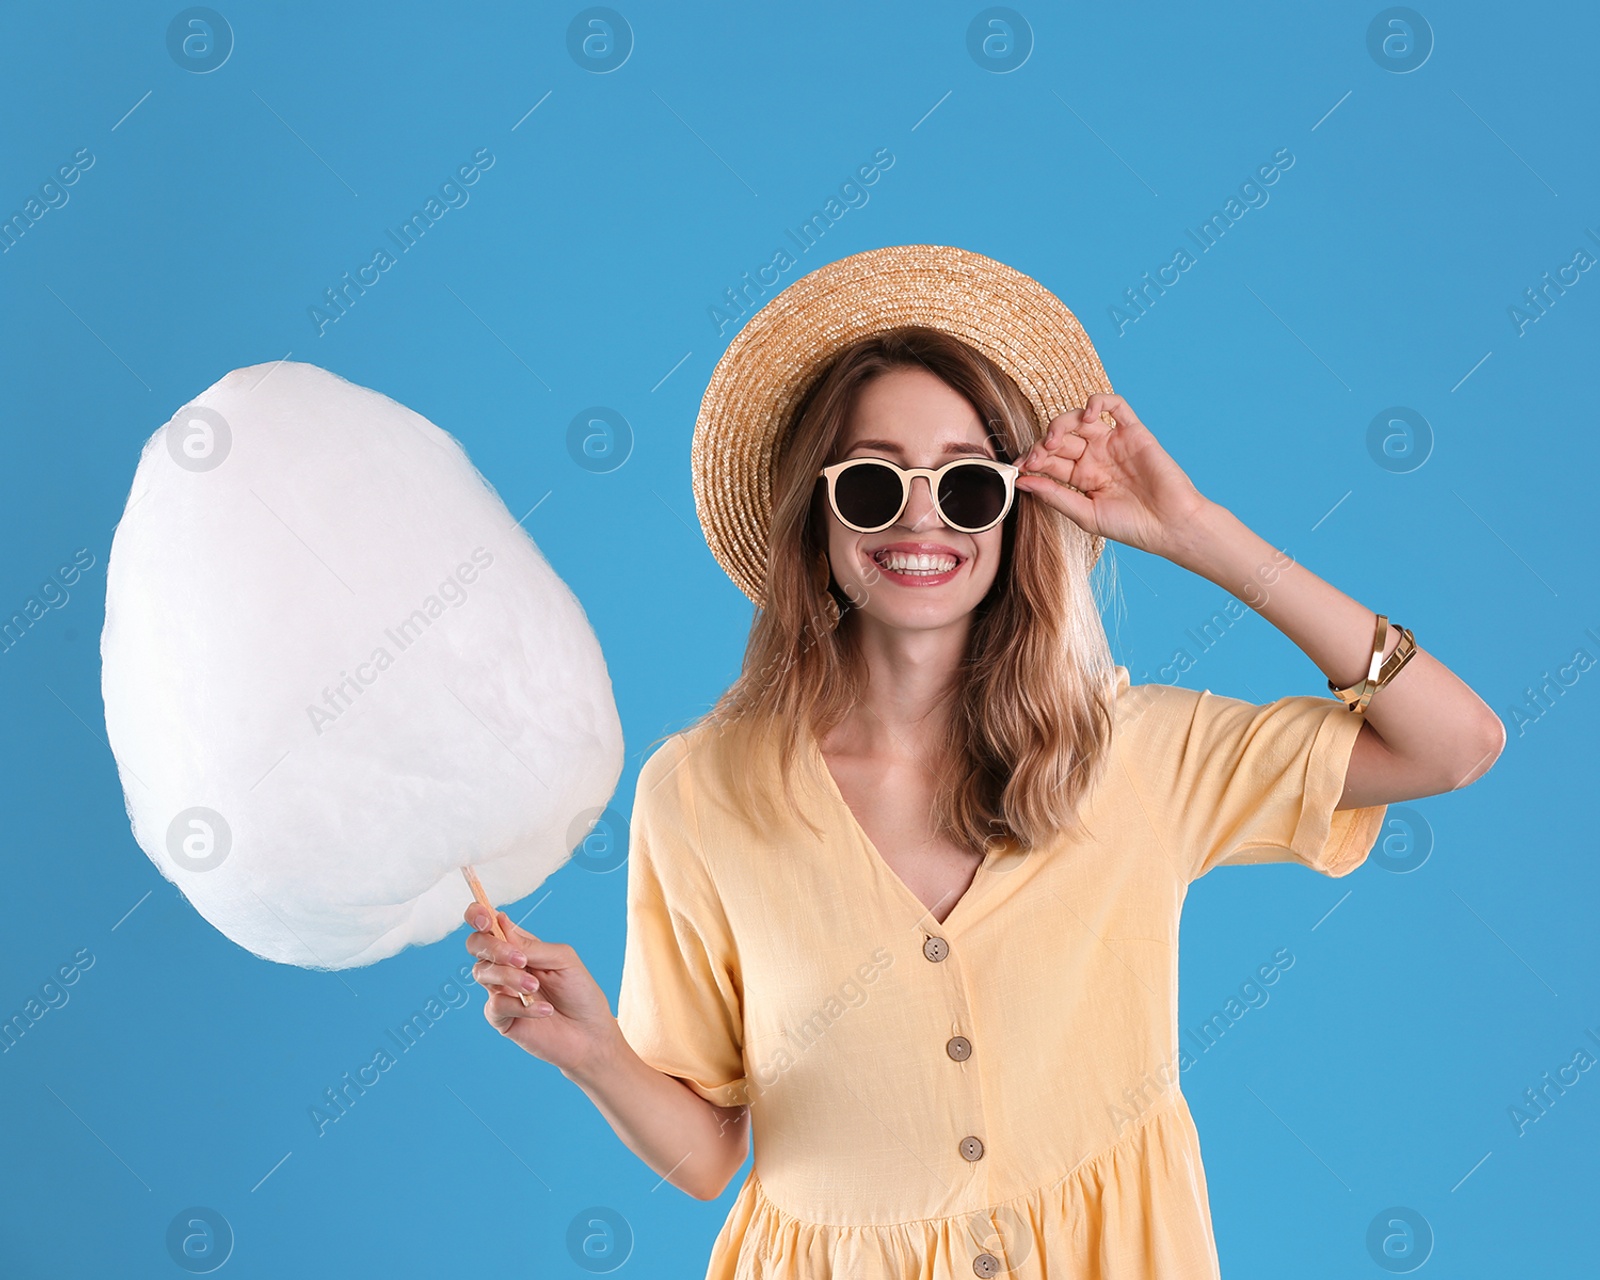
(1380, 272)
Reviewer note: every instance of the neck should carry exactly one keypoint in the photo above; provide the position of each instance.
(911, 676)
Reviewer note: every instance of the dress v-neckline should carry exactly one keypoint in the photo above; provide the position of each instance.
(880, 864)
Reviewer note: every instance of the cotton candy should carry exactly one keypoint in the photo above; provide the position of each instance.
(336, 669)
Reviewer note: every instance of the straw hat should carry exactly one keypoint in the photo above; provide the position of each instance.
(785, 347)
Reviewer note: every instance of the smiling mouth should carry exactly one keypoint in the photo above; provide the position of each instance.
(916, 564)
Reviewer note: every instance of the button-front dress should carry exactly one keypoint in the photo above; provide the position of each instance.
(996, 1094)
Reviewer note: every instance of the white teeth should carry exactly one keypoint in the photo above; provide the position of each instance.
(928, 565)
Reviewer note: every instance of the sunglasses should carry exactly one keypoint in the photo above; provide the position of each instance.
(970, 494)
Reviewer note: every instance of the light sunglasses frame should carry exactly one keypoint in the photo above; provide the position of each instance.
(1007, 471)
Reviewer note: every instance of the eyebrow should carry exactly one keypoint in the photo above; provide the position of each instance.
(953, 446)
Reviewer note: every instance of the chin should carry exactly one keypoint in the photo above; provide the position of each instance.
(919, 615)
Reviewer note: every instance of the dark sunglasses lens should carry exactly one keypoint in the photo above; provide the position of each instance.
(972, 495)
(867, 495)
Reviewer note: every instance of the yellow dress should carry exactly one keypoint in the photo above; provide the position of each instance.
(996, 1095)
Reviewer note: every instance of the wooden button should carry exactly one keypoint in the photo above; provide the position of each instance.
(971, 1148)
(936, 949)
(986, 1264)
(959, 1048)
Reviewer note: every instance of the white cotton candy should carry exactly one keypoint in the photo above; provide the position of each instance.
(326, 633)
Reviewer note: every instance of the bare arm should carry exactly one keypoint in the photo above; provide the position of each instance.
(1426, 731)
(694, 1144)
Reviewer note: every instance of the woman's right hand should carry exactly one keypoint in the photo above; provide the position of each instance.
(567, 1021)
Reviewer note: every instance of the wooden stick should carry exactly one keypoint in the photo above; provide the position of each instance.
(494, 916)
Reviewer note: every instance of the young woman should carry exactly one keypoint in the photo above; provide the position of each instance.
(906, 902)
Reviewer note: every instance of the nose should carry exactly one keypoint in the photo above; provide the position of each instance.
(919, 510)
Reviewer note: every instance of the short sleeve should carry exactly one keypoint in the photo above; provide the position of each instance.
(1228, 781)
(680, 1004)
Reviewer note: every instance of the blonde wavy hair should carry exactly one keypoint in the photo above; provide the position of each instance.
(1030, 728)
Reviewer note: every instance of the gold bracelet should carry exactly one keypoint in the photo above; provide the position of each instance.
(1379, 670)
(1401, 655)
(1357, 696)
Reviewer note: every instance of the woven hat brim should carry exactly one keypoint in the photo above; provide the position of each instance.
(781, 351)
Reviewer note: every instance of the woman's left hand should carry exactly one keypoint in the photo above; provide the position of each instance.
(1131, 489)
